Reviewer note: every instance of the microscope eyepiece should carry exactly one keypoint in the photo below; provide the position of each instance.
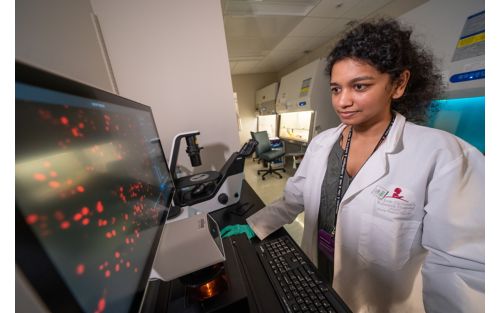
(193, 150)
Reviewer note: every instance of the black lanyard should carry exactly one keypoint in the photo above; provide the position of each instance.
(345, 155)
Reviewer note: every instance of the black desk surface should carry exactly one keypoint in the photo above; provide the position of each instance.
(261, 289)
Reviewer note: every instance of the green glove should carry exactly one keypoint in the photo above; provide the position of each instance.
(232, 230)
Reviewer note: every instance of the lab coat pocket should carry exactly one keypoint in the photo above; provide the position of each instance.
(386, 242)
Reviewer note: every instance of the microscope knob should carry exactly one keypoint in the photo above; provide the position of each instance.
(223, 198)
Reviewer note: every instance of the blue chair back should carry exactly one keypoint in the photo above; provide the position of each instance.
(263, 140)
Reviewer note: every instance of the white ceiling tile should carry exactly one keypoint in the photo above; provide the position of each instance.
(364, 7)
(259, 26)
(397, 8)
(331, 8)
(309, 26)
(315, 42)
(292, 43)
(249, 46)
(265, 69)
(335, 27)
(283, 58)
(246, 65)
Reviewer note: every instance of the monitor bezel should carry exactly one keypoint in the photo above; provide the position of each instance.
(30, 255)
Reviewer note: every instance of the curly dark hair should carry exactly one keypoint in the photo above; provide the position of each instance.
(386, 45)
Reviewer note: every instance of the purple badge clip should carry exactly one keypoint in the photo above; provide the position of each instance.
(326, 243)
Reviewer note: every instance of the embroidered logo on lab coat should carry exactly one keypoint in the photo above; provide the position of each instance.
(395, 200)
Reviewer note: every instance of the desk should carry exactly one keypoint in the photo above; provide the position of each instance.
(260, 295)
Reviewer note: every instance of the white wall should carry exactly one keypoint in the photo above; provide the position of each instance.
(246, 86)
(59, 36)
(172, 56)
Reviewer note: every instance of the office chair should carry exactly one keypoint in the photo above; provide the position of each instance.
(265, 153)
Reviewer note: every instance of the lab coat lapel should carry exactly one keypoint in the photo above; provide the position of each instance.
(376, 166)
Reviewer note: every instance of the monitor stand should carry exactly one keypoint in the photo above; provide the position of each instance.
(174, 212)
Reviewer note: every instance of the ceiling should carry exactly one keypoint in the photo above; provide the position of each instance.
(267, 35)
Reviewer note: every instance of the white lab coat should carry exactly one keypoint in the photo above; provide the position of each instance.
(397, 250)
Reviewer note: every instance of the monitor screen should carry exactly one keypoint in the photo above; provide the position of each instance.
(92, 189)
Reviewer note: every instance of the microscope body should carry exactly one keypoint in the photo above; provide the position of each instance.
(211, 190)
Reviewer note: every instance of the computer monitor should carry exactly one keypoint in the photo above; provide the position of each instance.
(92, 191)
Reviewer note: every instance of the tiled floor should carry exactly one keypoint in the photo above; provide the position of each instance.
(270, 190)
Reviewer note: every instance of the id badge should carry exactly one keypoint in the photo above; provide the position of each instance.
(326, 243)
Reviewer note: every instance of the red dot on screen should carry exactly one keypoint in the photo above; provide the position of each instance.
(54, 184)
(65, 225)
(80, 269)
(99, 207)
(31, 219)
(39, 177)
(101, 305)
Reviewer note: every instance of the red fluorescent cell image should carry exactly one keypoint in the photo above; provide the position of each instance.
(31, 219)
(99, 207)
(85, 210)
(39, 177)
(101, 305)
(80, 188)
(76, 132)
(59, 216)
(54, 184)
(77, 217)
(80, 269)
(85, 221)
(64, 120)
(65, 225)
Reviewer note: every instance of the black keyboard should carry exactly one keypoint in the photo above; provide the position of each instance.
(296, 280)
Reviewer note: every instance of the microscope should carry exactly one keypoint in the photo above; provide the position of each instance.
(211, 190)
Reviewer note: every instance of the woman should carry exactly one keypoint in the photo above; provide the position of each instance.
(394, 212)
